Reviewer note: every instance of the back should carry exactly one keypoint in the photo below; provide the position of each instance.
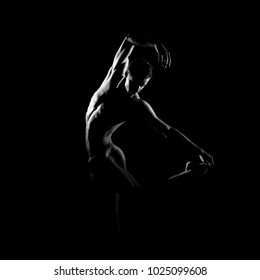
(108, 109)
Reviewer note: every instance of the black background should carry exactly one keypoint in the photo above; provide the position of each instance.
(56, 58)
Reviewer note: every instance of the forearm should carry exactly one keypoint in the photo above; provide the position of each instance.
(174, 135)
(142, 41)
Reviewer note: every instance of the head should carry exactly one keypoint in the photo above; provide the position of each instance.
(138, 74)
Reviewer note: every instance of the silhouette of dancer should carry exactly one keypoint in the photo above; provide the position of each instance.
(116, 101)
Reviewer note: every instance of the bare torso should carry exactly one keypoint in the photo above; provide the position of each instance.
(109, 108)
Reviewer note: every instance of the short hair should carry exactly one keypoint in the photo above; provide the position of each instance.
(140, 68)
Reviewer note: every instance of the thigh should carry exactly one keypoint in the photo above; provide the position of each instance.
(108, 174)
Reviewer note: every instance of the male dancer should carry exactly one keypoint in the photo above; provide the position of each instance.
(116, 101)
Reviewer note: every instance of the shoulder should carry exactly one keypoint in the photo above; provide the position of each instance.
(142, 108)
(141, 104)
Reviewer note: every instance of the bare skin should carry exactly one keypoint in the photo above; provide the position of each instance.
(116, 101)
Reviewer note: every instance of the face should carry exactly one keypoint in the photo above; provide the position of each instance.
(135, 85)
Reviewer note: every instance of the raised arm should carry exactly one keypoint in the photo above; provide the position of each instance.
(121, 59)
(163, 54)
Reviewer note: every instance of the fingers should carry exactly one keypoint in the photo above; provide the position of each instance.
(160, 56)
(202, 169)
(165, 63)
(208, 159)
(169, 62)
(198, 169)
(167, 58)
(212, 161)
(164, 57)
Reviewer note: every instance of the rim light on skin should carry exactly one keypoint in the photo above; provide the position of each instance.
(135, 90)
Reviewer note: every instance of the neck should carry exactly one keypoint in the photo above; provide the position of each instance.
(128, 92)
(132, 94)
(135, 95)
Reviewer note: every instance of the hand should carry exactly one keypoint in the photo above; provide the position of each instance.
(197, 169)
(164, 56)
(207, 159)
